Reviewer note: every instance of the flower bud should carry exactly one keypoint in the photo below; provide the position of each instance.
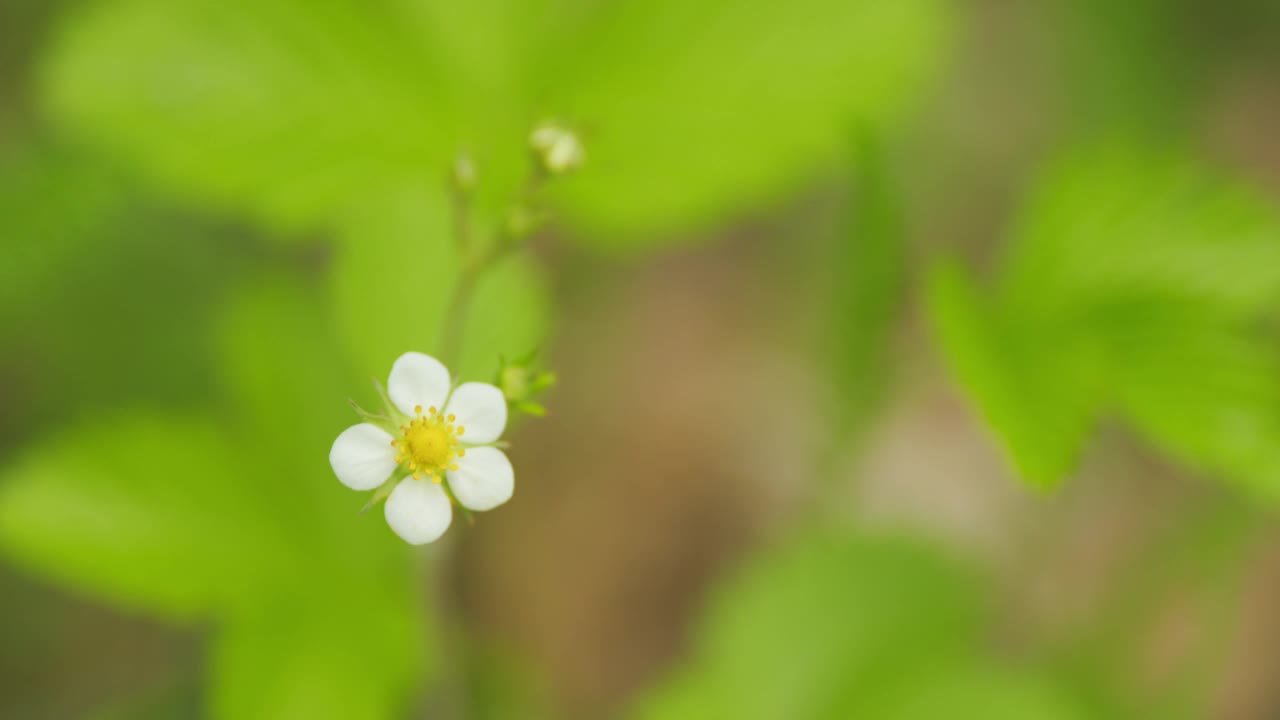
(556, 149)
(520, 382)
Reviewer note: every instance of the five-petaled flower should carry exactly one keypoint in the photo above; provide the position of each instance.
(445, 446)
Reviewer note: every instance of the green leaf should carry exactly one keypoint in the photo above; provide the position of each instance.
(979, 691)
(241, 523)
(53, 201)
(339, 657)
(1137, 286)
(284, 369)
(285, 110)
(298, 112)
(81, 251)
(346, 641)
(1014, 383)
(145, 511)
(392, 280)
(1207, 392)
(694, 110)
(1128, 65)
(278, 354)
(869, 266)
(816, 622)
(1110, 223)
(839, 626)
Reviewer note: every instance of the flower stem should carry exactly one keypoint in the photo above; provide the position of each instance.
(450, 696)
(456, 314)
(522, 221)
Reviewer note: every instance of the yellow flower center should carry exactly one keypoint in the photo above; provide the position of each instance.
(430, 444)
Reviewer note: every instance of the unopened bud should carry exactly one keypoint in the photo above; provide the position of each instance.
(520, 382)
(557, 149)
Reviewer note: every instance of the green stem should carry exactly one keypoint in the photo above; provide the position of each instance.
(451, 698)
(457, 312)
(474, 265)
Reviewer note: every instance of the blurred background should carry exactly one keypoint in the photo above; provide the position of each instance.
(916, 359)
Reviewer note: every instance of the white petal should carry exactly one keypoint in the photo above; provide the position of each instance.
(484, 479)
(418, 379)
(362, 456)
(482, 411)
(418, 511)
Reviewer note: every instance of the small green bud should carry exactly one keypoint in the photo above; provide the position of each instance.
(520, 382)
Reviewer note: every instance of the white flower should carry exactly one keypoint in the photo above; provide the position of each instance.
(428, 454)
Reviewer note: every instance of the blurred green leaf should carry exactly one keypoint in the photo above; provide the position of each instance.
(53, 202)
(832, 626)
(1207, 392)
(821, 625)
(296, 112)
(693, 110)
(869, 266)
(345, 642)
(1128, 65)
(120, 321)
(275, 345)
(978, 691)
(394, 273)
(284, 109)
(146, 511)
(286, 379)
(1136, 286)
(1017, 384)
(319, 656)
(1117, 224)
(239, 521)
(82, 250)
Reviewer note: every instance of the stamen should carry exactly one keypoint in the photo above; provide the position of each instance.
(429, 444)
